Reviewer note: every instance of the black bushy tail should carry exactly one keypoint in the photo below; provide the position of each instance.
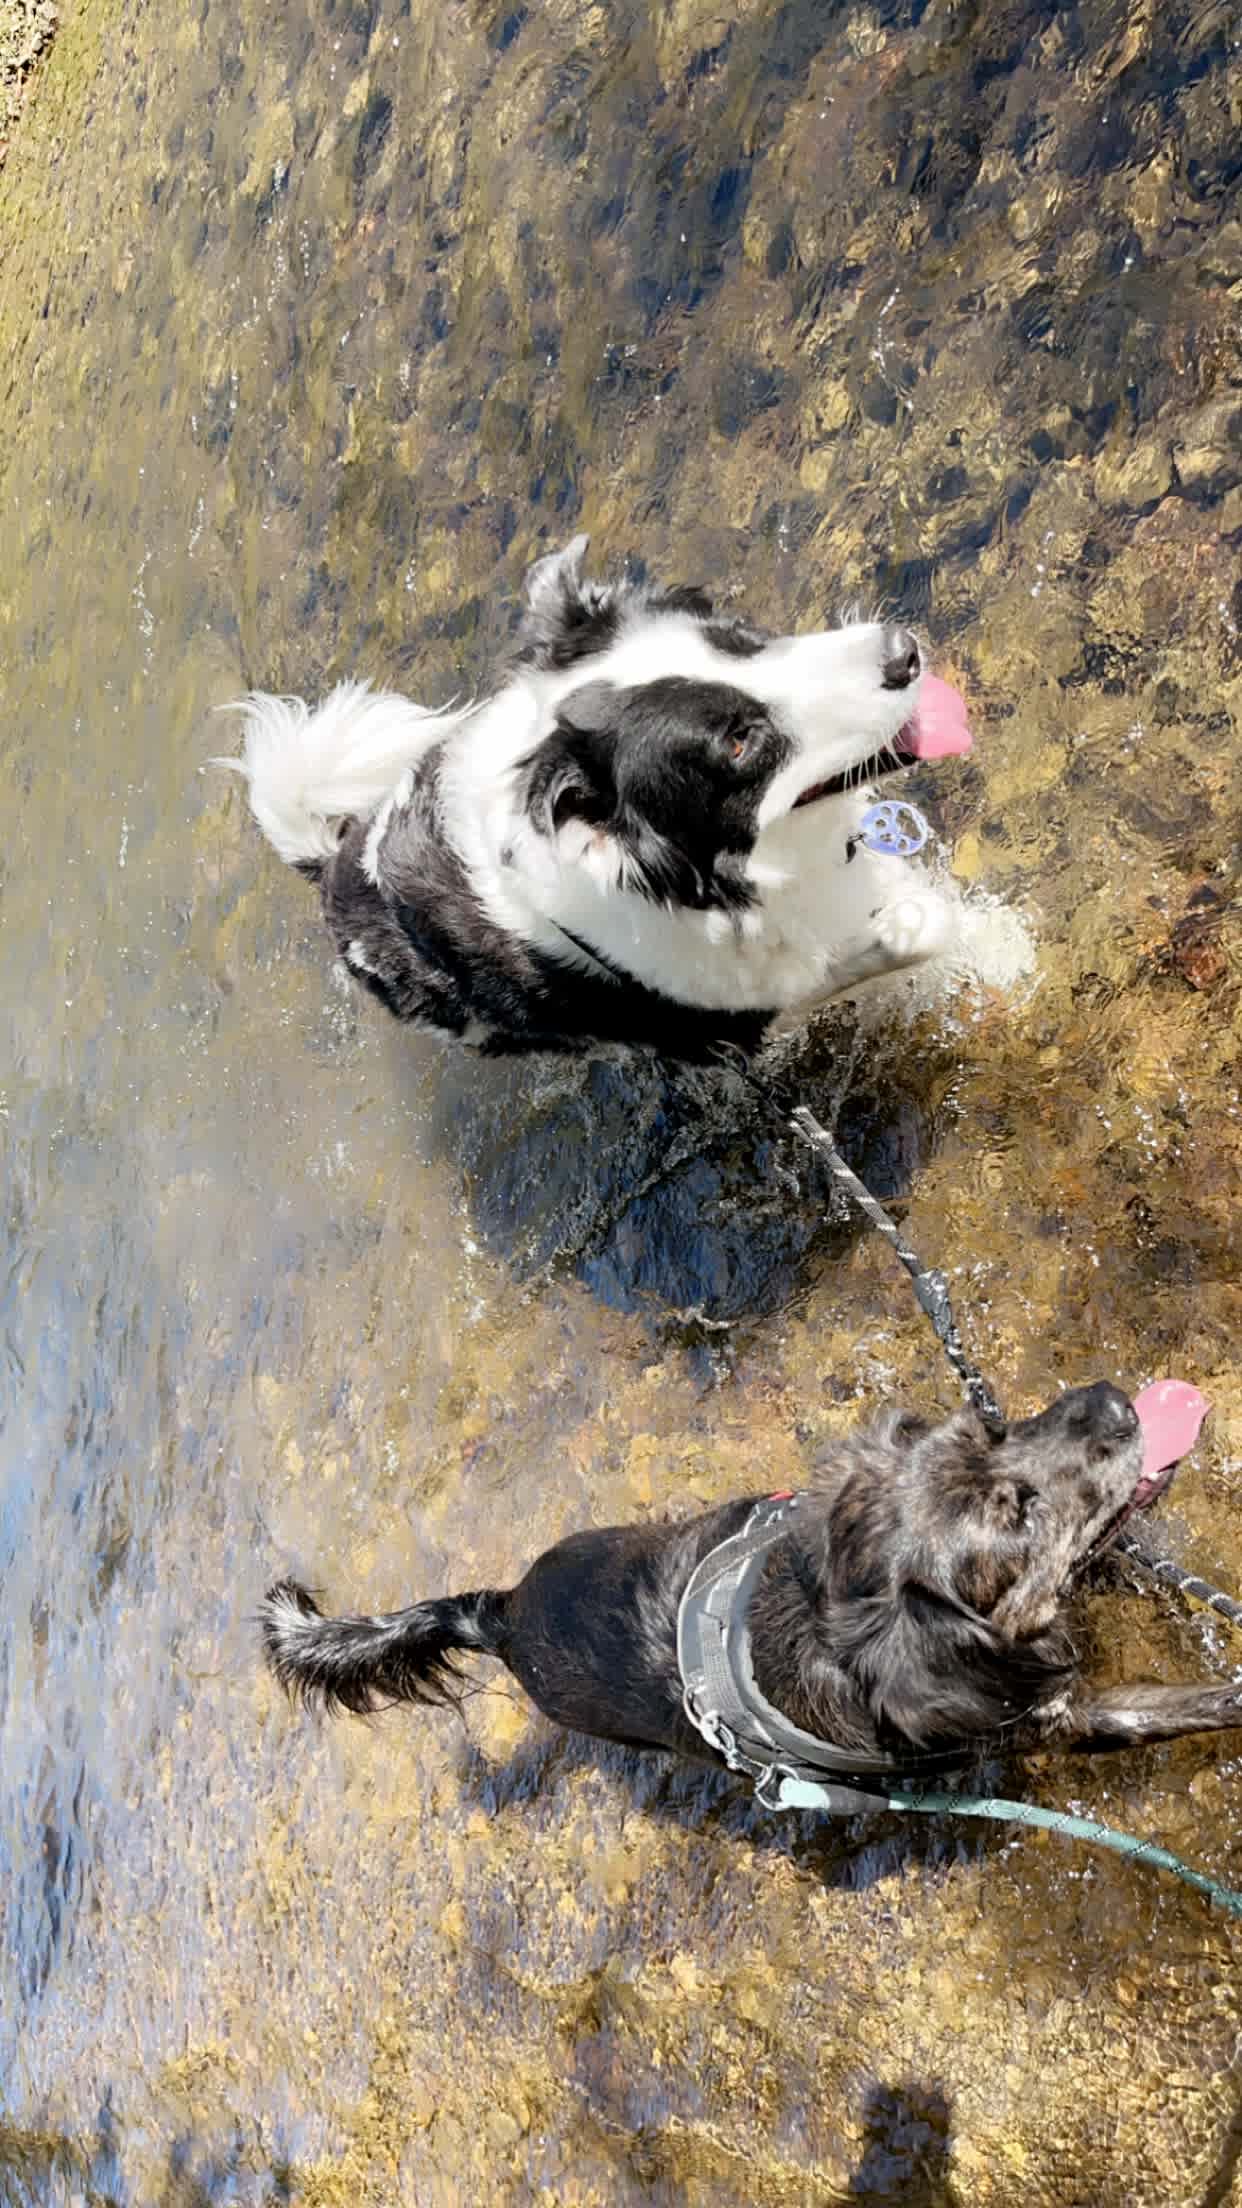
(364, 1664)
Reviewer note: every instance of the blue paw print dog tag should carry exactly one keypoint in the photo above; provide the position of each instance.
(893, 828)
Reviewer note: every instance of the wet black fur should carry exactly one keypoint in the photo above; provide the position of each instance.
(431, 954)
(914, 1608)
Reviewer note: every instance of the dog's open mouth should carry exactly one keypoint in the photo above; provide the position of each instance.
(1145, 1493)
(937, 730)
(1170, 1413)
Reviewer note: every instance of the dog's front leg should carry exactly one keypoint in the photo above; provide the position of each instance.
(1125, 1717)
(907, 931)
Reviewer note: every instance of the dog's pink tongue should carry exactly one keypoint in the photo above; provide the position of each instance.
(938, 729)
(1170, 1413)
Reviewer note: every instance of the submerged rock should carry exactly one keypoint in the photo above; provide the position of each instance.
(1134, 475)
(671, 1189)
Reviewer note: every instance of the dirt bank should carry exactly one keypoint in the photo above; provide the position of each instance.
(27, 28)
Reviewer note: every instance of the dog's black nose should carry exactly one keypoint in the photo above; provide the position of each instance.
(902, 664)
(1112, 1414)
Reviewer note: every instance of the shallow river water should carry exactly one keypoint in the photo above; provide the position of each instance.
(315, 325)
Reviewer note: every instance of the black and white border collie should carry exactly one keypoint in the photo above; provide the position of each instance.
(648, 834)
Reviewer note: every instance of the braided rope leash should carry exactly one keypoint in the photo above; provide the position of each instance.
(932, 1292)
(1174, 1575)
(931, 1289)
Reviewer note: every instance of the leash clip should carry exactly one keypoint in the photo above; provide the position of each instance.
(780, 1787)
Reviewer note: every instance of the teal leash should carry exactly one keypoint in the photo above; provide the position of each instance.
(1074, 1828)
(931, 1289)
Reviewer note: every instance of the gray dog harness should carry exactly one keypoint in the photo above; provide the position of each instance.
(790, 1769)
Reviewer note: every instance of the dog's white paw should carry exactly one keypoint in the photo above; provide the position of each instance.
(916, 927)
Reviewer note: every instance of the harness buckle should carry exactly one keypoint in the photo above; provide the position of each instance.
(714, 1731)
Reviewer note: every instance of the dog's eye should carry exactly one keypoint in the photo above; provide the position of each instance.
(739, 746)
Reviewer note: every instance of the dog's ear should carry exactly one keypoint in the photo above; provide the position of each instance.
(566, 619)
(932, 1672)
(592, 710)
(570, 775)
(970, 1437)
(902, 1429)
(555, 580)
(573, 785)
(647, 860)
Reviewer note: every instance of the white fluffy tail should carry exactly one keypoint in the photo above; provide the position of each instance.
(309, 769)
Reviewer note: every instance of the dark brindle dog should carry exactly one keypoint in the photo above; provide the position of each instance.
(913, 1607)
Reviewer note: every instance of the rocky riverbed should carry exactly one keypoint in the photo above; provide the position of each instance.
(316, 325)
(27, 28)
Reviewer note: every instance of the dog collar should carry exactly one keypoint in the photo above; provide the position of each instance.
(789, 1769)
